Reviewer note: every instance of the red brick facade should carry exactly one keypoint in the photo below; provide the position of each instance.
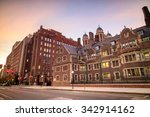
(124, 58)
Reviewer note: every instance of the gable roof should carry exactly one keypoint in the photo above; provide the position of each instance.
(70, 49)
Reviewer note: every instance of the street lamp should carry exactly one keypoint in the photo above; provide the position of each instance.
(85, 68)
(72, 79)
(100, 69)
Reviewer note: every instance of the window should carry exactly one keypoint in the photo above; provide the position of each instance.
(65, 77)
(104, 53)
(129, 44)
(106, 75)
(64, 58)
(126, 34)
(146, 55)
(92, 56)
(75, 67)
(113, 43)
(90, 77)
(82, 67)
(82, 77)
(57, 77)
(75, 77)
(146, 39)
(117, 75)
(148, 70)
(57, 69)
(115, 63)
(65, 68)
(39, 67)
(96, 76)
(142, 72)
(132, 43)
(129, 58)
(133, 72)
(58, 60)
(96, 66)
(45, 44)
(90, 67)
(140, 32)
(105, 64)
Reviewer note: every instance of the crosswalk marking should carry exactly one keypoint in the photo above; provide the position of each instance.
(6, 96)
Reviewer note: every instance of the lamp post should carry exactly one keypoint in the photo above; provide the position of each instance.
(72, 81)
(86, 74)
(100, 69)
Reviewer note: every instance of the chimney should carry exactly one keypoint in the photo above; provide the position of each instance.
(41, 27)
(91, 35)
(146, 16)
(96, 38)
(79, 41)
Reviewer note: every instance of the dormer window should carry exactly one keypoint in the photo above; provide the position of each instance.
(113, 43)
(140, 32)
(97, 47)
(126, 35)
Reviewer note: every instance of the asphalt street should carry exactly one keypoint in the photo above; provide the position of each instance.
(19, 93)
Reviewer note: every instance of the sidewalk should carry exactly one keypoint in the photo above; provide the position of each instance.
(95, 89)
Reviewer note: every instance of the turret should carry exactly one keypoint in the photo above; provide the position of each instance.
(100, 34)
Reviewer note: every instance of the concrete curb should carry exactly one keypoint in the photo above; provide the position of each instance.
(119, 92)
(105, 91)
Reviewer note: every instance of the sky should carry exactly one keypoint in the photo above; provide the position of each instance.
(19, 18)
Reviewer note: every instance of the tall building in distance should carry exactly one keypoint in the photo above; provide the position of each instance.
(13, 61)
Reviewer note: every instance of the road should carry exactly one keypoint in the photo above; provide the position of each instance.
(20, 93)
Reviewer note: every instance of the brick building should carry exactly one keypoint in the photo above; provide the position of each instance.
(32, 58)
(123, 58)
(13, 61)
(40, 54)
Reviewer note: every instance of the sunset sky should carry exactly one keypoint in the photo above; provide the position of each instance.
(72, 18)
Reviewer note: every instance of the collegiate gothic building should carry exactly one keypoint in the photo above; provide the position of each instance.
(103, 58)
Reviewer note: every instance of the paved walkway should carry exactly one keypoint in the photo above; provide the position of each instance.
(95, 89)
